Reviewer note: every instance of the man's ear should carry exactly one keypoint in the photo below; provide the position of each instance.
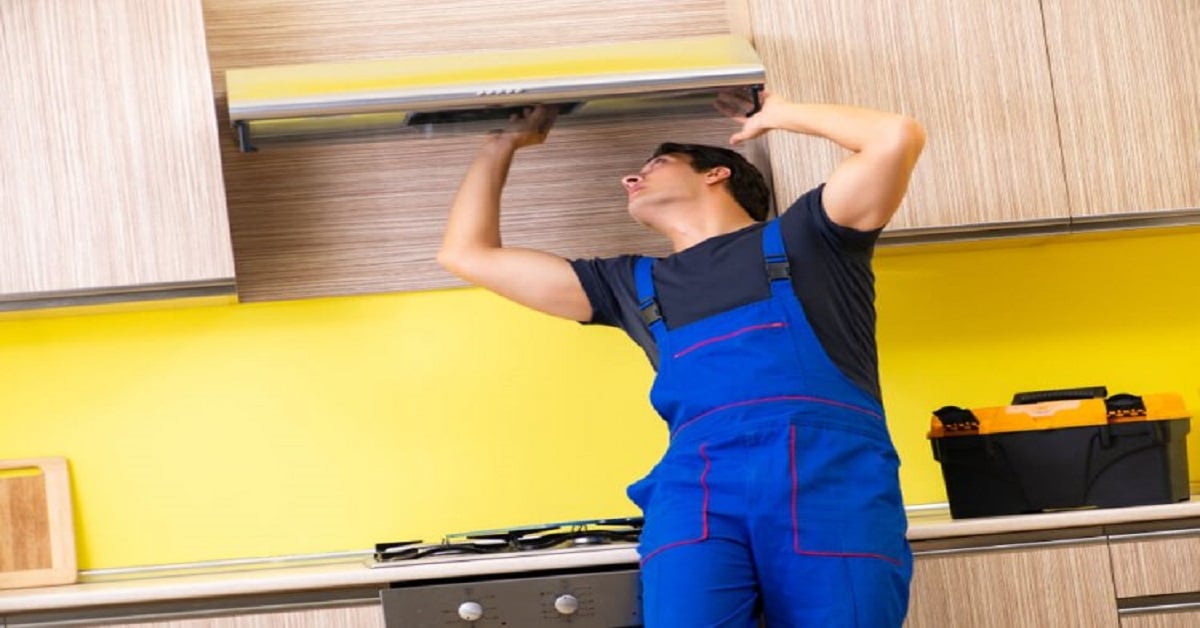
(717, 174)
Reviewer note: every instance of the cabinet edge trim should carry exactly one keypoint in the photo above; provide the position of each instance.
(226, 287)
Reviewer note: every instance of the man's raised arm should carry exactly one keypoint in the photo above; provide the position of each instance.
(472, 248)
(866, 188)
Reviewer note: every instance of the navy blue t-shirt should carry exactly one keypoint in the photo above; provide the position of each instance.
(831, 274)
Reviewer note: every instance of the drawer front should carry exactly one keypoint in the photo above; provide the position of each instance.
(1156, 563)
(583, 600)
(1162, 619)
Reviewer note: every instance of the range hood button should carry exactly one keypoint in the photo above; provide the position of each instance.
(470, 611)
(566, 604)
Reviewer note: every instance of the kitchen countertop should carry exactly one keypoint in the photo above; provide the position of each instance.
(277, 576)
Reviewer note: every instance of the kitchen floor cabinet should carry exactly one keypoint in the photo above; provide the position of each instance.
(1008, 580)
(370, 616)
(1163, 619)
(360, 608)
(1148, 561)
(110, 174)
(1156, 572)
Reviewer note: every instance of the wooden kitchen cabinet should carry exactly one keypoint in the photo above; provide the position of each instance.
(1059, 579)
(973, 73)
(359, 616)
(110, 173)
(358, 217)
(1163, 619)
(1156, 563)
(1125, 83)
(360, 608)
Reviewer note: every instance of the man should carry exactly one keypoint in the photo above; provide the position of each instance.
(778, 494)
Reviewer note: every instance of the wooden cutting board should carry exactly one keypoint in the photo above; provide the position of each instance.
(37, 533)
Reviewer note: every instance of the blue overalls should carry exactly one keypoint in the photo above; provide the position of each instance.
(779, 490)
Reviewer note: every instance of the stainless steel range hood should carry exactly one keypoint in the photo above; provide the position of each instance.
(430, 94)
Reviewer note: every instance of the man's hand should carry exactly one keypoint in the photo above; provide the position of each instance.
(866, 188)
(737, 103)
(530, 127)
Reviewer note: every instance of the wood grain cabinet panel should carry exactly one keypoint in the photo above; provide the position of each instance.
(1038, 585)
(1125, 83)
(974, 74)
(1156, 565)
(367, 216)
(110, 175)
(356, 616)
(1163, 619)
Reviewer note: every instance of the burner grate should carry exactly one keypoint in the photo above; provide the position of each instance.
(520, 539)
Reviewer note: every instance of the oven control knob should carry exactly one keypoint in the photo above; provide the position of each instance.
(470, 611)
(566, 604)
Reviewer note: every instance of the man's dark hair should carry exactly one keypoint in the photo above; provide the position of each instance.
(745, 182)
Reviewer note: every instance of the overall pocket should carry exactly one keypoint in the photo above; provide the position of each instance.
(845, 495)
(674, 500)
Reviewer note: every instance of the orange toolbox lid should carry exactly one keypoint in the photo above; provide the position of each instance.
(1056, 414)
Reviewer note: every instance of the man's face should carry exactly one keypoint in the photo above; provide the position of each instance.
(663, 179)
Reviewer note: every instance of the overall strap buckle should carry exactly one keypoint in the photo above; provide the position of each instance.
(650, 311)
(778, 269)
(774, 252)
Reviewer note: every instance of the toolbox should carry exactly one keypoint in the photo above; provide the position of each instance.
(1061, 450)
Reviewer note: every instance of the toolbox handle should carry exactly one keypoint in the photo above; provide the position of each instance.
(1062, 394)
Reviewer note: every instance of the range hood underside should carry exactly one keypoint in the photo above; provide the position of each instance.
(467, 120)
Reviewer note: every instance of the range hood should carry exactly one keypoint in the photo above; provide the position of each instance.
(430, 94)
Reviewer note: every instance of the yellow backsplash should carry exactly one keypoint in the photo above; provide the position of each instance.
(330, 424)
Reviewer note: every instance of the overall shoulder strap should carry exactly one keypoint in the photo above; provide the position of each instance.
(643, 273)
(779, 272)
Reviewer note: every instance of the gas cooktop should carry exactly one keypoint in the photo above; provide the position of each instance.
(593, 533)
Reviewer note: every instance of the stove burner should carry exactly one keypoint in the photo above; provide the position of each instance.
(521, 539)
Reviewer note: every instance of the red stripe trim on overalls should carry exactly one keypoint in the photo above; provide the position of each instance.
(748, 402)
(731, 334)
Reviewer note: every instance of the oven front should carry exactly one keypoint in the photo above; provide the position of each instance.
(588, 599)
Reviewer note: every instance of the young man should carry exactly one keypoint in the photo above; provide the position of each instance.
(778, 494)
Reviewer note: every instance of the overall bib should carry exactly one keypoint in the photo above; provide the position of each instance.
(779, 489)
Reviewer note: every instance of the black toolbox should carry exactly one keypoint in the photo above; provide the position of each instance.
(1062, 450)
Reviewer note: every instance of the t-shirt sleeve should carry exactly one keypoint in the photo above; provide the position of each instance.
(611, 289)
(809, 211)
(606, 282)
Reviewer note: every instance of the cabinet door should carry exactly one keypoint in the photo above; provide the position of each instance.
(974, 73)
(110, 173)
(1156, 562)
(1125, 84)
(367, 216)
(1032, 584)
(358, 616)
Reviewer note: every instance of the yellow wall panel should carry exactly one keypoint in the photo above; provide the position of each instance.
(331, 424)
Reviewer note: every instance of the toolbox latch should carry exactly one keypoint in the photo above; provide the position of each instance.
(1124, 405)
(957, 420)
